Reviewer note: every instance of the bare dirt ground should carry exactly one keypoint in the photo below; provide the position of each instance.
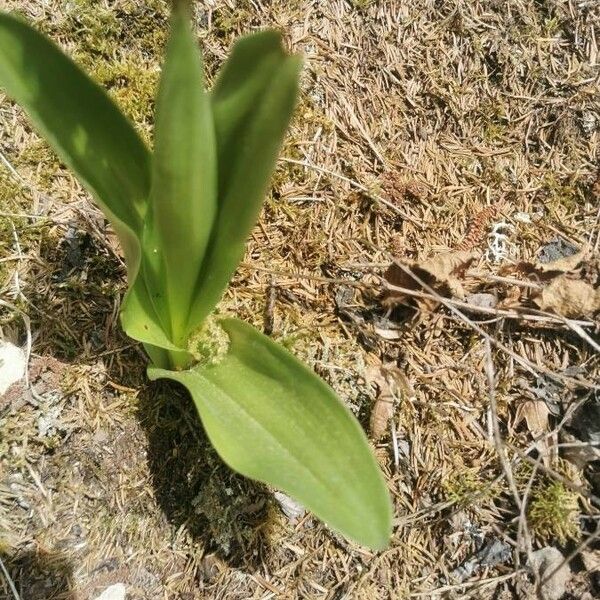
(425, 129)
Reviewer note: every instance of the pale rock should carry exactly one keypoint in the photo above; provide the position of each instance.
(12, 365)
(114, 592)
(291, 509)
(544, 563)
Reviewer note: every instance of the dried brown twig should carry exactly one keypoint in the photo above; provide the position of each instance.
(524, 362)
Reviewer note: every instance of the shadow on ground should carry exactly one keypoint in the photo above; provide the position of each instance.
(223, 511)
(75, 298)
(37, 576)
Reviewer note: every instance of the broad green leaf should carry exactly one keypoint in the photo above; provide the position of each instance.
(272, 419)
(82, 124)
(183, 198)
(252, 103)
(139, 319)
(140, 322)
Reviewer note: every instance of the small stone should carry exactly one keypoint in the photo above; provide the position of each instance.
(522, 217)
(12, 365)
(482, 300)
(114, 592)
(291, 509)
(547, 562)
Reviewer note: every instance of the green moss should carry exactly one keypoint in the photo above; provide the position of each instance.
(293, 342)
(361, 4)
(132, 85)
(561, 193)
(39, 162)
(494, 132)
(98, 30)
(551, 26)
(38, 152)
(464, 486)
(119, 46)
(553, 512)
(308, 113)
(228, 21)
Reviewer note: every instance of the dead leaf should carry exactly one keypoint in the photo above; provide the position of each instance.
(576, 452)
(581, 434)
(444, 267)
(442, 272)
(535, 413)
(549, 270)
(569, 297)
(544, 563)
(391, 384)
(512, 297)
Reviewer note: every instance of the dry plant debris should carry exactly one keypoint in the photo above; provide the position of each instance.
(391, 386)
(568, 287)
(424, 128)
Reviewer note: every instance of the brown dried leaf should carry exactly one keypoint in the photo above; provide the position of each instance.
(535, 413)
(512, 297)
(391, 384)
(444, 267)
(569, 297)
(442, 272)
(547, 271)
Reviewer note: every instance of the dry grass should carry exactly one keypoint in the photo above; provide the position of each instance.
(420, 125)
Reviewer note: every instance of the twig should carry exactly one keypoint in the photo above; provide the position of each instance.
(499, 442)
(395, 444)
(469, 584)
(510, 280)
(571, 556)
(18, 292)
(10, 582)
(520, 314)
(523, 529)
(524, 362)
(576, 327)
(293, 275)
(358, 186)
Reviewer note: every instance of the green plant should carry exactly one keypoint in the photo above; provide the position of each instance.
(554, 512)
(183, 213)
